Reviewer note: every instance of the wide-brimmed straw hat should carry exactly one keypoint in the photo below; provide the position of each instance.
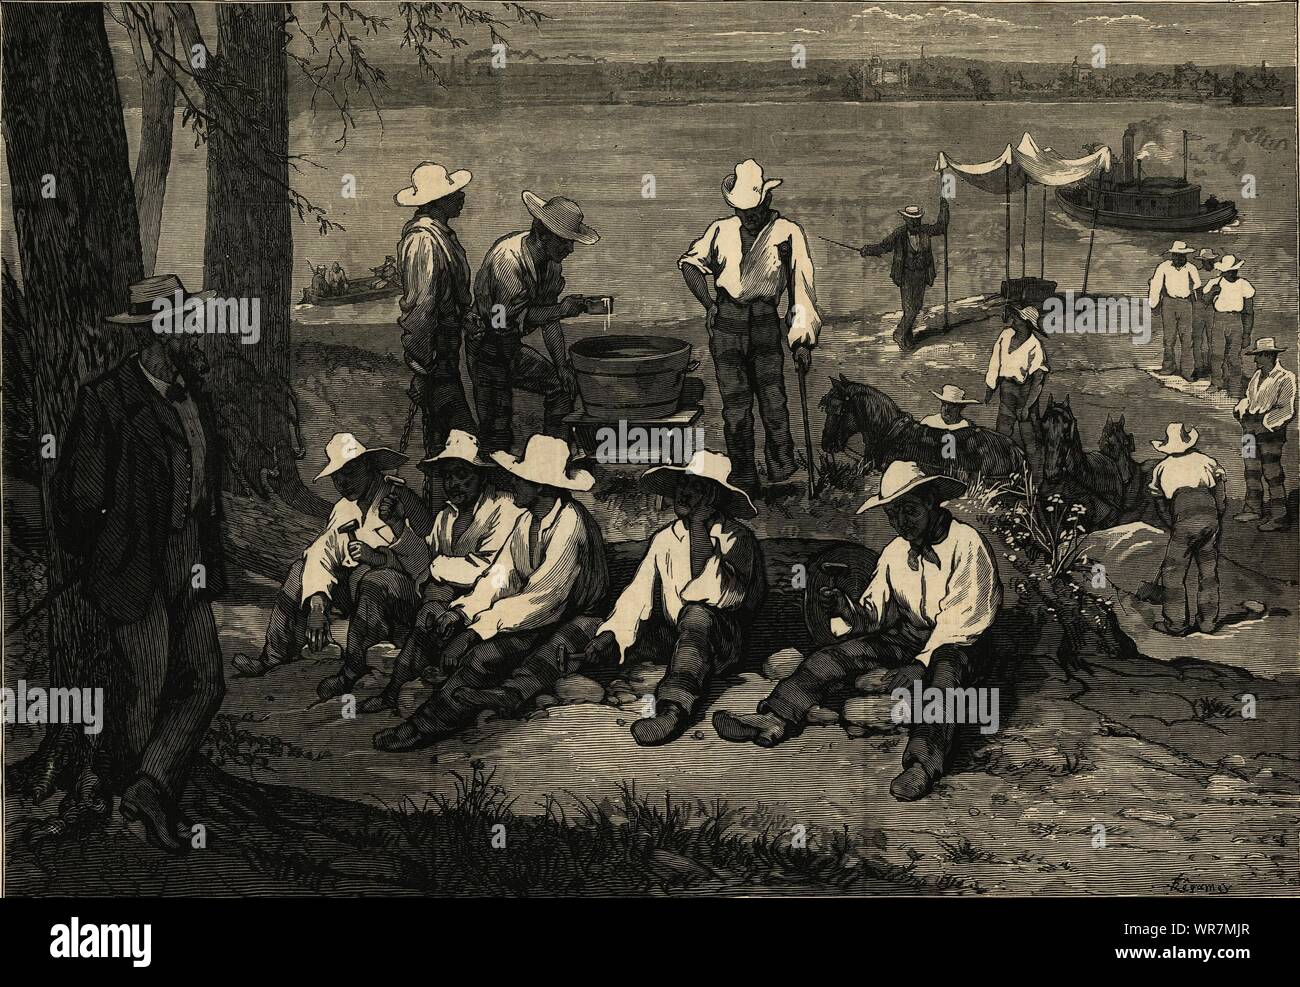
(1178, 438)
(145, 293)
(911, 212)
(1207, 253)
(430, 181)
(1229, 263)
(902, 477)
(1265, 344)
(1029, 313)
(344, 448)
(1180, 247)
(746, 187)
(712, 466)
(560, 215)
(546, 460)
(460, 446)
(952, 394)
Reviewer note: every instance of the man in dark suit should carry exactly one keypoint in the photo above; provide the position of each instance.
(137, 495)
(913, 264)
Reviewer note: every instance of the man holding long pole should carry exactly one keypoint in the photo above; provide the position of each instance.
(913, 264)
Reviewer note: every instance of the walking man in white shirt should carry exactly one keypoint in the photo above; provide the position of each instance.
(466, 536)
(934, 593)
(535, 603)
(1265, 411)
(1172, 293)
(1189, 487)
(350, 571)
(755, 257)
(1233, 299)
(702, 579)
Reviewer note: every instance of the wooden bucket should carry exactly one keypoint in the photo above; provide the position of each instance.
(633, 378)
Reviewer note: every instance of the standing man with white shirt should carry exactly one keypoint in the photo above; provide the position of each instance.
(755, 257)
(1189, 487)
(1017, 373)
(934, 594)
(353, 572)
(1172, 294)
(533, 605)
(702, 578)
(1265, 411)
(1233, 299)
(1202, 315)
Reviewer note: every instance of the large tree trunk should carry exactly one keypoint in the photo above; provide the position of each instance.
(79, 250)
(157, 115)
(248, 253)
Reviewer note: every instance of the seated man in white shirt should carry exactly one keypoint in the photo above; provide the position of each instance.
(933, 595)
(702, 579)
(352, 571)
(952, 404)
(465, 538)
(1189, 487)
(536, 602)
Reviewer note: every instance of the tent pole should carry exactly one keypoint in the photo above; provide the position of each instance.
(1042, 240)
(945, 263)
(1092, 233)
(1006, 181)
(1024, 229)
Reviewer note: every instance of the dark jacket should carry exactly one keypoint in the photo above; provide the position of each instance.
(898, 243)
(114, 485)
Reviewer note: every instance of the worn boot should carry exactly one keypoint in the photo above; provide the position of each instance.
(764, 729)
(912, 784)
(145, 802)
(668, 723)
(341, 683)
(406, 736)
(1253, 511)
(1277, 519)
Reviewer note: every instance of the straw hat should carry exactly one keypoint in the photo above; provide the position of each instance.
(561, 216)
(1180, 248)
(902, 477)
(1229, 263)
(1030, 314)
(460, 445)
(344, 448)
(545, 461)
(1265, 344)
(747, 187)
(429, 182)
(714, 466)
(952, 394)
(911, 212)
(1178, 438)
(145, 293)
(1207, 253)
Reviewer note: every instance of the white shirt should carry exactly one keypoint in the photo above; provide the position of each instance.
(936, 421)
(759, 274)
(1272, 396)
(324, 558)
(728, 581)
(545, 570)
(1174, 282)
(459, 561)
(1016, 364)
(956, 600)
(1184, 471)
(1232, 294)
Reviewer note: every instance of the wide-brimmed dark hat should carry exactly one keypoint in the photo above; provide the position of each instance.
(145, 293)
(561, 216)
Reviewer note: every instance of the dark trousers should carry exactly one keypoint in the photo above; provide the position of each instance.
(526, 664)
(835, 667)
(704, 643)
(748, 348)
(1202, 317)
(501, 364)
(1265, 467)
(443, 406)
(1227, 343)
(380, 603)
(421, 646)
(1190, 570)
(173, 674)
(912, 291)
(1013, 402)
(1176, 326)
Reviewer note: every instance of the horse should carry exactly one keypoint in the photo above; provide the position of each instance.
(889, 433)
(1109, 483)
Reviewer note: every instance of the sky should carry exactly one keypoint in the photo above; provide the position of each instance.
(1134, 33)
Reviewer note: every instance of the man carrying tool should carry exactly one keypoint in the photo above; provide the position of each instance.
(912, 268)
(350, 566)
(754, 257)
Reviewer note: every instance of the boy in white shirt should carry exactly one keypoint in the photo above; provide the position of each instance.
(1189, 486)
(934, 594)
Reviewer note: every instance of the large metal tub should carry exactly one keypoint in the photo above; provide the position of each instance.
(635, 378)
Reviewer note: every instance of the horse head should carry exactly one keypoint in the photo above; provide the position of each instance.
(1116, 440)
(1061, 443)
(838, 424)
